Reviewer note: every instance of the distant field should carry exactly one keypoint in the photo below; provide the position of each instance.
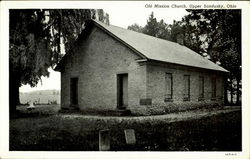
(60, 132)
(42, 96)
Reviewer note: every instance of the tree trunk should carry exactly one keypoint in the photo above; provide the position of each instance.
(231, 90)
(238, 92)
(59, 39)
(14, 83)
(225, 91)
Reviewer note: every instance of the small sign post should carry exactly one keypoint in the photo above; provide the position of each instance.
(130, 136)
(104, 140)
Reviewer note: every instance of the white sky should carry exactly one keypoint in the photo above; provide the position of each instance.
(118, 16)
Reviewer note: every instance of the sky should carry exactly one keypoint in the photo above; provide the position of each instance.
(118, 16)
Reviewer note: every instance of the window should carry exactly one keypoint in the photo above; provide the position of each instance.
(201, 88)
(213, 84)
(74, 91)
(168, 86)
(186, 88)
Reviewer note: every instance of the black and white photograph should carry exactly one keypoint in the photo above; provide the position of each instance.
(134, 77)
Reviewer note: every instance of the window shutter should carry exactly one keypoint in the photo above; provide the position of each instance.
(169, 85)
(186, 87)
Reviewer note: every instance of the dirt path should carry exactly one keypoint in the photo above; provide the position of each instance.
(173, 117)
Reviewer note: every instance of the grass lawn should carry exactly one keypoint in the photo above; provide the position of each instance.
(41, 131)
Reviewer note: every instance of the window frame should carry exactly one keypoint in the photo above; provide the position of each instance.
(169, 97)
(213, 88)
(201, 88)
(188, 87)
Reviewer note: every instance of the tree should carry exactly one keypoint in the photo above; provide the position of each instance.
(36, 39)
(214, 34)
(102, 16)
(136, 27)
(218, 35)
(157, 29)
(153, 28)
(163, 30)
(176, 30)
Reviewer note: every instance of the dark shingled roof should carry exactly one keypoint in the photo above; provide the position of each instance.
(152, 48)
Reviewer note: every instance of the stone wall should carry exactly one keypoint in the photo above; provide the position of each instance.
(96, 63)
(98, 59)
(155, 90)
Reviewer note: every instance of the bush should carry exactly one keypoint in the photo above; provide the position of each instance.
(179, 107)
(171, 107)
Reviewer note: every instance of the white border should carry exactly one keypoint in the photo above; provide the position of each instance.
(4, 115)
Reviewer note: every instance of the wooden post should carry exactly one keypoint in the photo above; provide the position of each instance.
(130, 136)
(104, 140)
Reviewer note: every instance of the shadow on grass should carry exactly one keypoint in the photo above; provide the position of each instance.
(39, 111)
(214, 133)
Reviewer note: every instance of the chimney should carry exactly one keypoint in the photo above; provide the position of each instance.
(179, 39)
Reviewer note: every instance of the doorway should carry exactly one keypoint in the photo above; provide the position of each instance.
(74, 91)
(122, 91)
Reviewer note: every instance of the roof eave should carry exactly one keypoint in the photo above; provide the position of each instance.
(147, 60)
(141, 60)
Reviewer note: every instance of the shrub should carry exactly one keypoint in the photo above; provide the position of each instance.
(172, 107)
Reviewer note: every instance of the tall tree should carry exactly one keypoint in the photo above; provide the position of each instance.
(36, 39)
(214, 34)
(163, 30)
(218, 35)
(176, 31)
(151, 26)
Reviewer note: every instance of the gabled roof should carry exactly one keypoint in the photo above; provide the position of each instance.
(153, 48)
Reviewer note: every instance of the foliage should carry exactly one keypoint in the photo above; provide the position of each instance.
(153, 28)
(175, 31)
(157, 29)
(38, 39)
(29, 51)
(102, 16)
(136, 27)
(214, 34)
(172, 107)
(219, 34)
